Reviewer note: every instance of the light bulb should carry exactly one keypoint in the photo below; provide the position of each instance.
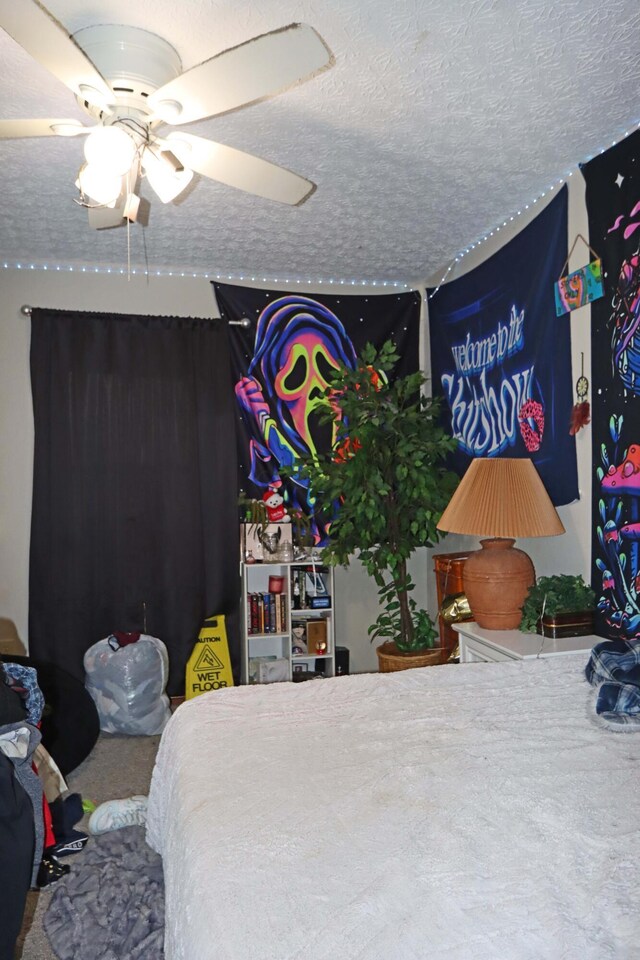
(110, 148)
(165, 181)
(102, 186)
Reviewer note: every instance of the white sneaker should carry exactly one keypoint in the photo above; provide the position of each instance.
(115, 814)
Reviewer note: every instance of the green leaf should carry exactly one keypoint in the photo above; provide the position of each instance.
(391, 488)
(562, 593)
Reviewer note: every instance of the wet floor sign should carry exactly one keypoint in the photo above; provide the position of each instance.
(209, 666)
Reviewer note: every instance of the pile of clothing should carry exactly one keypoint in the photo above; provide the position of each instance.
(614, 670)
(37, 812)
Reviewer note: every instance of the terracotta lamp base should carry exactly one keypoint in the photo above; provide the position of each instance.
(496, 581)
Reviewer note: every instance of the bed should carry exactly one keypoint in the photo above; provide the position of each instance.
(461, 812)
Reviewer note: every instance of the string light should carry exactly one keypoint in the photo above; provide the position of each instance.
(290, 281)
(319, 281)
(556, 183)
(505, 223)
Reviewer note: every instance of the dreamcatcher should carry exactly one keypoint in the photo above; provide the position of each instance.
(581, 412)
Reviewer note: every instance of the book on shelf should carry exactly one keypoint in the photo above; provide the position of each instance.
(253, 625)
(309, 588)
(296, 601)
(266, 613)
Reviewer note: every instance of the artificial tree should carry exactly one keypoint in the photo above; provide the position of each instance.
(387, 485)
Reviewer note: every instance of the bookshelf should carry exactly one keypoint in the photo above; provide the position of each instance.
(287, 626)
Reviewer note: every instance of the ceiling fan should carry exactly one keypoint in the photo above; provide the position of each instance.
(131, 83)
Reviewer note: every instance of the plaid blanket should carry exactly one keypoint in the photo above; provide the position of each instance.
(614, 667)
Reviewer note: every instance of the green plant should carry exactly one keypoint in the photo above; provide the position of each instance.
(254, 512)
(387, 482)
(561, 593)
(301, 528)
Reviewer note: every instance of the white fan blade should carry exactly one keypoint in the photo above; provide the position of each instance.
(17, 129)
(239, 169)
(33, 27)
(259, 68)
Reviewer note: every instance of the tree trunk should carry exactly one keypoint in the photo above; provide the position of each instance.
(406, 622)
(399, 574)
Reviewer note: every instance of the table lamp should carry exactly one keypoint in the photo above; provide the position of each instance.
(500, 498)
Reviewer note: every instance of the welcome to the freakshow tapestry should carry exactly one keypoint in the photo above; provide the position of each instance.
(283, 362)
(501, 358)
(613, 206)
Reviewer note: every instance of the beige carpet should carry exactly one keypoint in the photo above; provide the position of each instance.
(118, 767)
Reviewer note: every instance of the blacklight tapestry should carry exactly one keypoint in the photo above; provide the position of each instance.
(613, 206)
(281, 366)
(501, 358)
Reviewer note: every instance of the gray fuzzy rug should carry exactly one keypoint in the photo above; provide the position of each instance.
(111, 905)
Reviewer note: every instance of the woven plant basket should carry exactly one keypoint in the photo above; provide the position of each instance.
(390, 659)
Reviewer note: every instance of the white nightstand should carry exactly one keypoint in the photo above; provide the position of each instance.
(480, 645)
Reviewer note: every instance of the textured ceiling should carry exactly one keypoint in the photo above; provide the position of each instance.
(439, 119)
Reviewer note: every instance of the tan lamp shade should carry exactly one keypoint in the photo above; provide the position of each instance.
(500, 498)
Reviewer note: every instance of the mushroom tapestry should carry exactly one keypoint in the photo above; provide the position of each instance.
(613, 205)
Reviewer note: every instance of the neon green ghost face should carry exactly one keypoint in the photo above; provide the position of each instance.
(300, 384)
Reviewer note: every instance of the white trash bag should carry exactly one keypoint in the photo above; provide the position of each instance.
(127, 684)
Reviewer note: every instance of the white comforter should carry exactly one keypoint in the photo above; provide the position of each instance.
(464, 812)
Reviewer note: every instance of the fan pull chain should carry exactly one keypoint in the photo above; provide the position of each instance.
(128, 250)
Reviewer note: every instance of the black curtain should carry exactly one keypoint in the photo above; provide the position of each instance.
(134, 523)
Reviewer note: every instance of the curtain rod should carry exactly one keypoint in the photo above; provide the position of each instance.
(25, 310)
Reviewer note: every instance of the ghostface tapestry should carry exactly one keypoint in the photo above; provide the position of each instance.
(501, 358)
(282, 363)
(613, 206)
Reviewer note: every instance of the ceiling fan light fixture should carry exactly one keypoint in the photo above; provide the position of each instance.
(180, 148)
(70, 128)
(166, 182)
(131, 207)
(168, 156)
(168, 110)
(93, 96)
(99, 184)
(129, 81)
(110, 148)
